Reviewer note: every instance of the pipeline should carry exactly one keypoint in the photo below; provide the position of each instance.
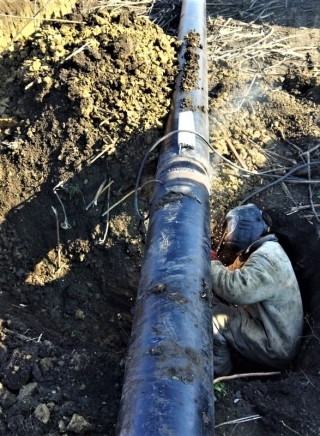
(168, 387)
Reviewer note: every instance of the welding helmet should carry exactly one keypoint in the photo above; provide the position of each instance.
(244, 224)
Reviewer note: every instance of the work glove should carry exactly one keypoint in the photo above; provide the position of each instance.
(213, 255)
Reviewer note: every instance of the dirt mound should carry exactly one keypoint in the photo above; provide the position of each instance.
(75, 91)
(79, 104)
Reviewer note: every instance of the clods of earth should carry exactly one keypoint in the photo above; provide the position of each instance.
(80, 104)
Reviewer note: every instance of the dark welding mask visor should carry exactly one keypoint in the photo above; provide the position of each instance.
(244, 225)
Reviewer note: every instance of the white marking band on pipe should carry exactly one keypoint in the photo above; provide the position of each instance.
(186, 122)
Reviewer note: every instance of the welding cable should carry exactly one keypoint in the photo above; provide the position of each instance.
(254, 173)
(159, 142)
(167, 135)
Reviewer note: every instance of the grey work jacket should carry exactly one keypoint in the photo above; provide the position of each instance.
(266, 288)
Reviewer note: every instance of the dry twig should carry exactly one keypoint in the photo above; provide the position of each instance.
(232, 148)
(22, 337)
(307, 378)
(240, 420)
(79, 50)
(102, 240)
(272, 153)
(105, 149)
(290, 428)
(119, 202)
(310, 189)
(58, 236)
(100, 191)
(247, 93)
(59, 20)
(249, 374)
(311, 150)
(65, 225)
(304, 207)
(288, 193)
(237, 155)
(290, 143)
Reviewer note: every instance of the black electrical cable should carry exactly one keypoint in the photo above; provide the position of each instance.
(278, 180)
(167, 135)
(142, 218)
(254, 173)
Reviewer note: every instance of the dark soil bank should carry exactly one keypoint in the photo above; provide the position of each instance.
(79, 106)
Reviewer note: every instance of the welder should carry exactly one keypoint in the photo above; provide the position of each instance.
(257, 309)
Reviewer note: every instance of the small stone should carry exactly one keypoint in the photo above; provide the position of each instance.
(266, 139)
(46, 364)
(62, 426)
(256, 134)
(5, 102)
(20, 273)
(79, 314)
(42, 413)
(36, 65)
(79, 425)
(222, 146)
(7, 399)
(27, 390)
(47, 80)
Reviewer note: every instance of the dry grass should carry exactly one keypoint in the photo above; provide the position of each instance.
(281, 12)
(295, 13)
(258, 48)
(141, 7)
(162, 12)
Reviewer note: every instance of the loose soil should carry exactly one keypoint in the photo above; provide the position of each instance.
(81, 104)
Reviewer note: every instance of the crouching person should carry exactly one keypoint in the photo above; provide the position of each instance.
(258, 308)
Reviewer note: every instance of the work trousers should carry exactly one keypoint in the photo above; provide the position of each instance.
(234, 328)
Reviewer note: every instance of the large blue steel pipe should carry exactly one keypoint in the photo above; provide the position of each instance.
(168, 388)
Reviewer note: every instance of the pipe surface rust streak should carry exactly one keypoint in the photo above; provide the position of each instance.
(168, 386)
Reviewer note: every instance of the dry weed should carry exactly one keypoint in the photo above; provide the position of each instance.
(259, 48)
